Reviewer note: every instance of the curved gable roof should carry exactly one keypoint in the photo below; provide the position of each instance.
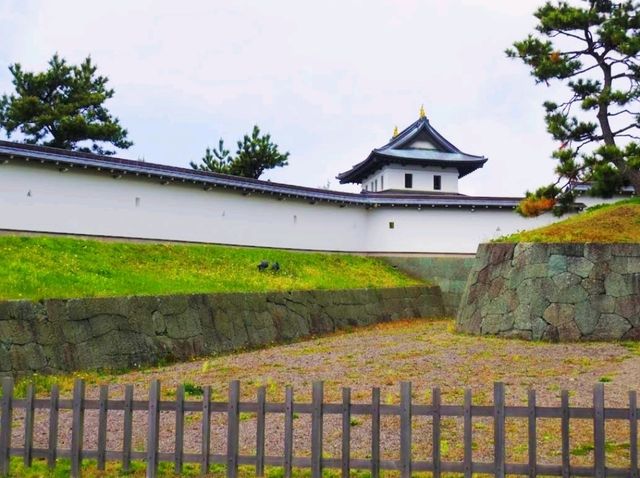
(401, 150)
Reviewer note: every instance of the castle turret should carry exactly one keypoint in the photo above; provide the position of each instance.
(417, 159)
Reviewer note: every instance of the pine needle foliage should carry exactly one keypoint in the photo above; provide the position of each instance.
(591, 47)
(62, 107)
(255, 154)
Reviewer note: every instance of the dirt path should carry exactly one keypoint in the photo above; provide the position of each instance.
(426, 353)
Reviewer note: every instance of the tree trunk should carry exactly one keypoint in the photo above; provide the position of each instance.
(634, 178)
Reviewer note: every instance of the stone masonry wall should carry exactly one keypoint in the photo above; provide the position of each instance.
(447, 272)
(557, 292)
(122, 332)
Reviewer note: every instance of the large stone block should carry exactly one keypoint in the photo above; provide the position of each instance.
(581, 292)
(564, 249)
(496, 323)
(625, 264)
(579, 266)
(562, 316)
(500, 252)
(27, 358)
(629, 250)
(610, 327)
(16, 331)
(618, 285)
(538, 328)
(629, 308)
(5, 358)
(557, 264)
(597, 253)
(587, 316)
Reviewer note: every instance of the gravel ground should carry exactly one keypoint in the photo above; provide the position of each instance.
(426, 353)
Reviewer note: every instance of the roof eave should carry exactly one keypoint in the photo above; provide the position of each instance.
(377, 159)
(115, 167)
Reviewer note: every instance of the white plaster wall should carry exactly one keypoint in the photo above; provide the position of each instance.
(82, 202)
(450, 229)
(422, 144)
(592, 201)
(39, 198)
(422, 178)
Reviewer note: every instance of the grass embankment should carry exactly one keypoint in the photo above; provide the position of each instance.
(48, 267)
(618, 222)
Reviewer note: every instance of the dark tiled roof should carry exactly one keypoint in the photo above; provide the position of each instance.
(398, 150)
(117, 167)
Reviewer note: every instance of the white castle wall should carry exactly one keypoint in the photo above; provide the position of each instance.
(443, 230)
(393, 175)
(40, 198)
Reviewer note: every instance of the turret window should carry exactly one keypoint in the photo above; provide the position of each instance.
(437, 183)
(408, 181)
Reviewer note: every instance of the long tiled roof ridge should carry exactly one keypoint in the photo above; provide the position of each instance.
(166, 173)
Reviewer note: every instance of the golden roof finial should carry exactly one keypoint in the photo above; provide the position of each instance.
(422, 112)
(395, 131)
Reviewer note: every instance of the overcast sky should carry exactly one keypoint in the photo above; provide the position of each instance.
(329, 80)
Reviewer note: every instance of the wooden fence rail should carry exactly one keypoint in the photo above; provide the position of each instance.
(317, 409)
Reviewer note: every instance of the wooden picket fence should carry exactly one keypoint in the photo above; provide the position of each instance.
(598, 414)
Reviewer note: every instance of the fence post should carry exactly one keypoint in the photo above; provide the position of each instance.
(468, 434)
(633, 433)
(102, 426)
(405, 429)
(127, 437)
(52, 453)
(435, 399)
(498, 429)
(77, 428)
(153, 427)
(205, 447)
(6, 421)
(288, 432)
(316, 429)
(233, 429)
(346, 432)
(375, 432)
(178, 451)
(598, 430)
(28, 426)
(564, 398)
(533, 433)
(260, 430)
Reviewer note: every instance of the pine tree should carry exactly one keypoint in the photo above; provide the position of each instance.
(592, 49)
(62, 107)
(255, 154)
(216, 160)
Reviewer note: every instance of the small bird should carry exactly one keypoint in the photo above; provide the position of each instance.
(275, 267)
(263, 266)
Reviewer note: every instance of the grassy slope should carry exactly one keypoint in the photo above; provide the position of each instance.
(618, 222)
(45, 267)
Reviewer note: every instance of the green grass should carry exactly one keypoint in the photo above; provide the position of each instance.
(51, 267)
(611, 223)
(193, 390)
(62, 469)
